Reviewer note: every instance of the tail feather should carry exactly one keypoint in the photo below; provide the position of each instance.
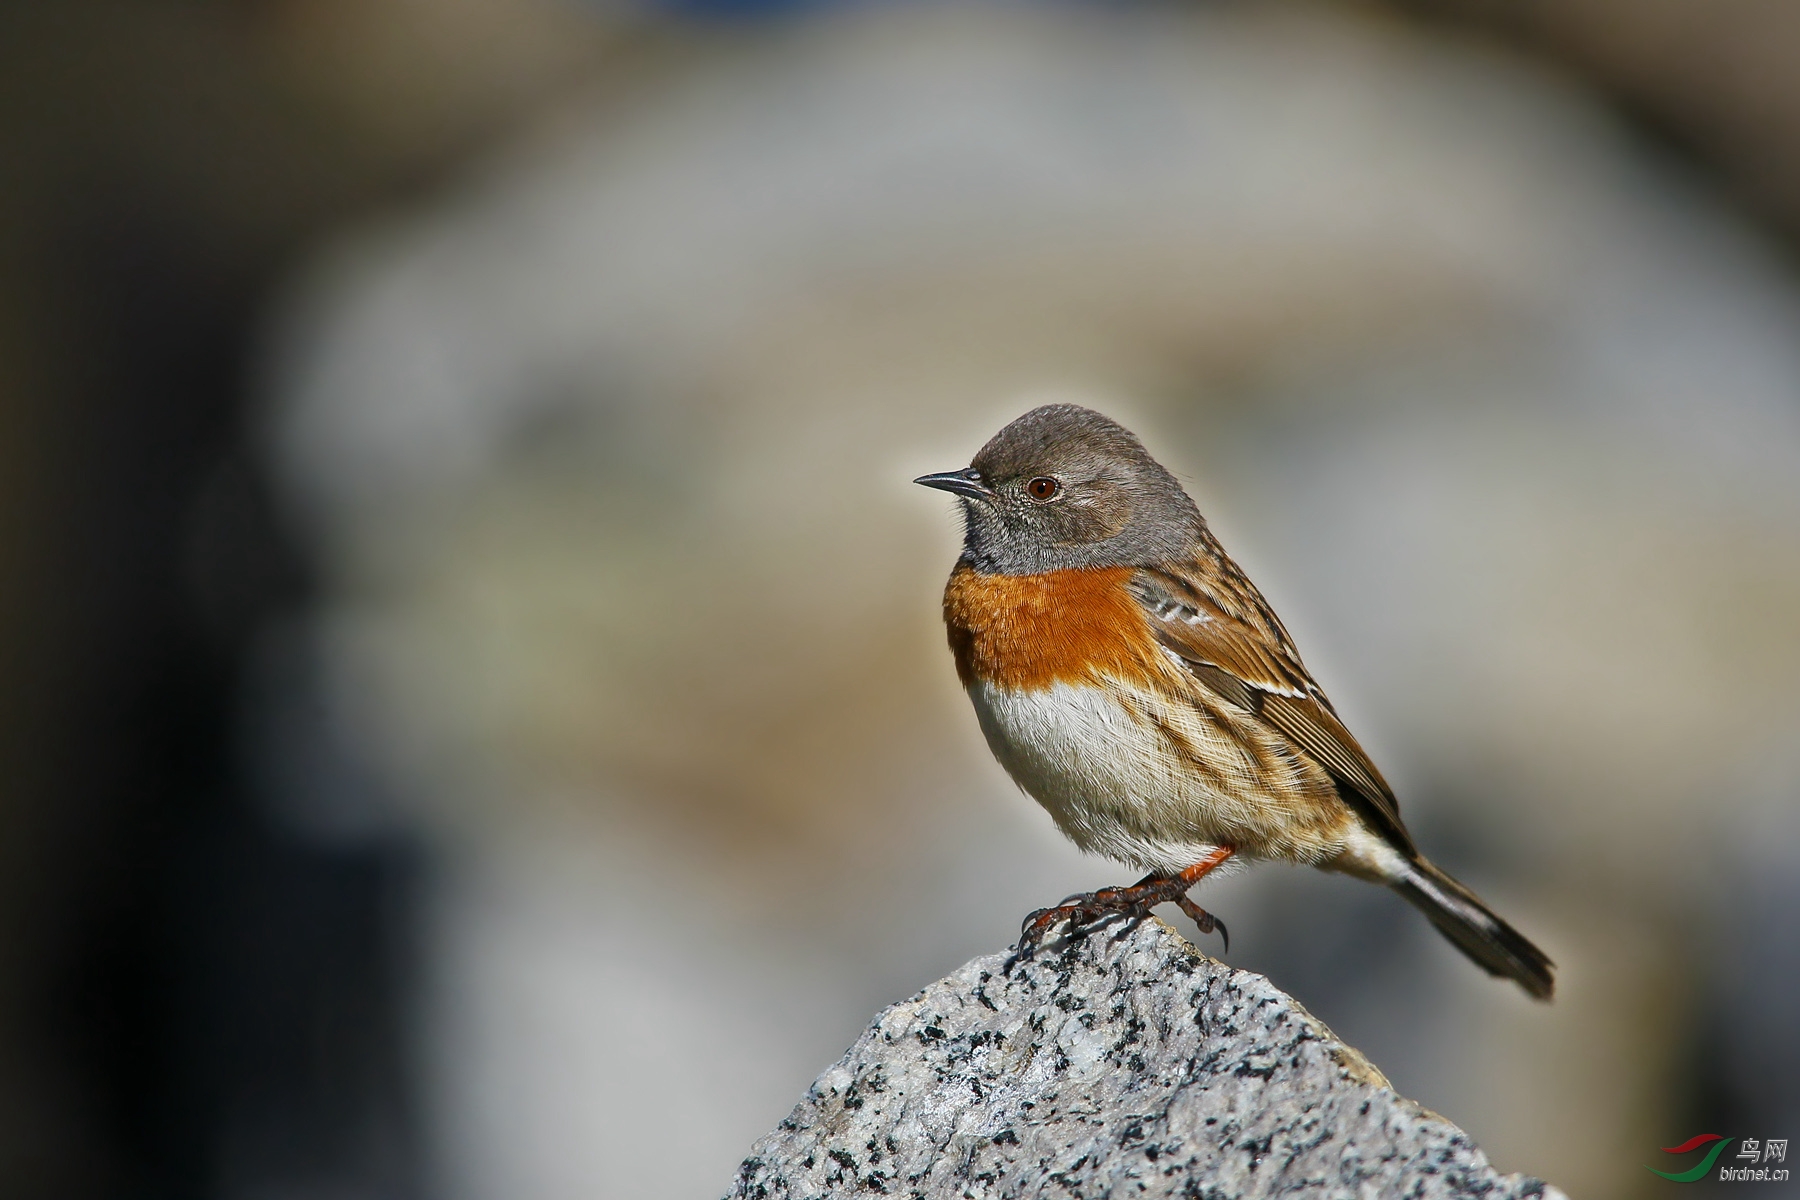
(1472, 926)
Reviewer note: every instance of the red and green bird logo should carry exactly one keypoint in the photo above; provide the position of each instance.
(1694, 1143)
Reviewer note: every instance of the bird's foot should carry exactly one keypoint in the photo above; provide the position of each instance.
(1134, 903)
(1090, 908)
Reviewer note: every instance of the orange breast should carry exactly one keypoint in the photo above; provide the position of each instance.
(1030, 631)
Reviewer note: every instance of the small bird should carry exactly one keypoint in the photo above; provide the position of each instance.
(1131, 679)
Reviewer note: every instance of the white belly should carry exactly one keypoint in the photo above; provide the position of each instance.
(1115, 783)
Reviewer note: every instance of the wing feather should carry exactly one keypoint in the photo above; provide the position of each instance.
(1223, 630)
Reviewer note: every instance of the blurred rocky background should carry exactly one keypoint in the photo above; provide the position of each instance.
(472, 661)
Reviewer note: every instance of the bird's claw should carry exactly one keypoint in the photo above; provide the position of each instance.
(1091, 908)
(1205, 920)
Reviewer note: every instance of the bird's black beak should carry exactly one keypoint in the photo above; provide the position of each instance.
(966, 482)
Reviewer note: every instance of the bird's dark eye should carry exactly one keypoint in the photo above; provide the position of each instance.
(1042, 488)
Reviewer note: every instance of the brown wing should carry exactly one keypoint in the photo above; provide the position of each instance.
(1215, 620)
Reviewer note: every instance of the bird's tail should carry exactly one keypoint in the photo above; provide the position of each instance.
(1490, 943)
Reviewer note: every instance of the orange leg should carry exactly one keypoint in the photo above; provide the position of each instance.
(1134, 902)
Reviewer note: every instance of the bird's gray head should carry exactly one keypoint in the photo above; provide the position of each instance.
(1064, 487)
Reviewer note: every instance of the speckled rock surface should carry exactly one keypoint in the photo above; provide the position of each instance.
(1111, 1066)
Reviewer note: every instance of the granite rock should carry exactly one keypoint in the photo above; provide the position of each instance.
(1113, 1064)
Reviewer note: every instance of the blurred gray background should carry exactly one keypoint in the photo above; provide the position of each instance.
(479, 723)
